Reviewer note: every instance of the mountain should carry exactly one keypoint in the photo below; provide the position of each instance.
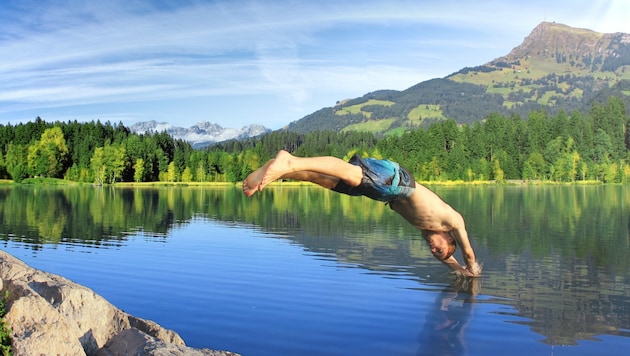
(201, 134)
(557, 67)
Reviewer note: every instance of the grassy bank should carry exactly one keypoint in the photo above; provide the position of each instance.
(175, 184)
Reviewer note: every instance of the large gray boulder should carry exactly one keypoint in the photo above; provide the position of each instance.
(51, 315)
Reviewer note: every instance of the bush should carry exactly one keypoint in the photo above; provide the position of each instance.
(5, 331)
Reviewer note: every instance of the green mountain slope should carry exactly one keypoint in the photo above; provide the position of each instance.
(557, 67)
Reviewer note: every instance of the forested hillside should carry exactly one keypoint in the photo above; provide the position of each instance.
(591, 145)
(561, 147)
(557, 67)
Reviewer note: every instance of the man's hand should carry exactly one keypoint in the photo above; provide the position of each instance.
(469, 271)
(473, 271)
(452, 263)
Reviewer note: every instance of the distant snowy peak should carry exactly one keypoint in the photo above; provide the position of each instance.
(202, 133)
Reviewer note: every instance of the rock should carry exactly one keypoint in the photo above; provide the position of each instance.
(136, 342)
(51, 315)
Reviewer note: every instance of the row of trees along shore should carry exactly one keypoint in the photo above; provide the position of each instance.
(593, 145)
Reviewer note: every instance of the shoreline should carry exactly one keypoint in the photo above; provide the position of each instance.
(62, 182)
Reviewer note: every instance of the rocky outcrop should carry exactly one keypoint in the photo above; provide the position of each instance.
(51, 315)
(575, 48)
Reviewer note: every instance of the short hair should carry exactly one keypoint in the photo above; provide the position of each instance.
(452, 246)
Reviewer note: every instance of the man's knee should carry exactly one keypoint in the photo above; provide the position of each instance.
(354, 177)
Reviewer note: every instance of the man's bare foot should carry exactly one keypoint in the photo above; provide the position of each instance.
(279, 166)
(251, 184)
(248, 189)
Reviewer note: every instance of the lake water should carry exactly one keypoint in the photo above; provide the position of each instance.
(300, 270)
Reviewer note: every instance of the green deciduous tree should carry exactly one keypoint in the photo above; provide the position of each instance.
(171, 172)
(200, 171)
(497, 172)
(187, 175)
(108, 163)
(47, 156)
(535, 166)
(138, 170)
(16, 161)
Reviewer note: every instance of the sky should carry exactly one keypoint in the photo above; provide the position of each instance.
(237, 63)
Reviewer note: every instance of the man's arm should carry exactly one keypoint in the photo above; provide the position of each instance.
(461, 237)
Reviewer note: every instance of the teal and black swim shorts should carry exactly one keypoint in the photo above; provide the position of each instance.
(383, 180)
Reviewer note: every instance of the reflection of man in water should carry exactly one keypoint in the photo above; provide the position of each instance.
(446, 322)
(441, 226)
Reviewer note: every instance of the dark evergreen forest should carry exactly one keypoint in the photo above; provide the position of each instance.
(591, 145)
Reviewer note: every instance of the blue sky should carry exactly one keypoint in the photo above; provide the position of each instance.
(243, 62)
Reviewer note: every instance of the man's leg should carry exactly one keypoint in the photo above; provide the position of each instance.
(285, 163)
(324, 171)
(252, 183)
(323, 180)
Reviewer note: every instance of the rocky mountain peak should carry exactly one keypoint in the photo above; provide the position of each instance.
(577, 47)
(202, 133)
(549, 37)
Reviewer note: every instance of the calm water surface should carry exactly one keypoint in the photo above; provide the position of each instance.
(300, 270)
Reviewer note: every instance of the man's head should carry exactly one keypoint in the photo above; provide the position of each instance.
(442, 244)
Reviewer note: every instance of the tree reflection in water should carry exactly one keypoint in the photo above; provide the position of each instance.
(560, 255)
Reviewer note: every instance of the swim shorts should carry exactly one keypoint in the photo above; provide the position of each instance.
(383, 180)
